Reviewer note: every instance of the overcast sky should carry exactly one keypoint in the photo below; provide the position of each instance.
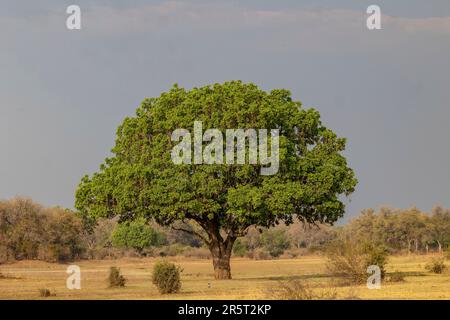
(63, 93)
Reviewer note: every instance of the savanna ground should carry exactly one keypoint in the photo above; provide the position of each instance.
(252, 279)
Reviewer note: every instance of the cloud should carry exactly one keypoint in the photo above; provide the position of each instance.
(314, 30)
(210, 16)
(228, 16)
(437, 25)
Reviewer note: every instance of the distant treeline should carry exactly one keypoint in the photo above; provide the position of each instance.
(31, 231)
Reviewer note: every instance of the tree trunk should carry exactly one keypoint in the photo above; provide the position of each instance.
(221, 254)
(440, 246)
(222, 269)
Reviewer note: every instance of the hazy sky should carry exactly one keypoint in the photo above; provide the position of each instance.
(63, 93)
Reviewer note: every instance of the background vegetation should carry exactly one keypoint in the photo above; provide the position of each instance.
(31, 231)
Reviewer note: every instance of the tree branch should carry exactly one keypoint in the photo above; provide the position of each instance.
(193, 233)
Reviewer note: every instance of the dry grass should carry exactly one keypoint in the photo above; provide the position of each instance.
(251, 279)
(296, 289)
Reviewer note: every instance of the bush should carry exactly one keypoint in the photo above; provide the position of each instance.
(136, 234)
(436, 265)
(44, 292)
(166, 277)
(376, 255)
(300, 290)
(115, 279)
(349, 259)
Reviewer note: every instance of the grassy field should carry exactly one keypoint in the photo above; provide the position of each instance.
(251, 279)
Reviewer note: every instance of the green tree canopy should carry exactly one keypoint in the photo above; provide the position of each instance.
(136, 234)
(140, 180)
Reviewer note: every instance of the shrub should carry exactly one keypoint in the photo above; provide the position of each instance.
(436, 265)
(115, 279)
(300, 290)
(136, 234)
(44, 292)
(166, 277)
(376, 255)
(349, 258)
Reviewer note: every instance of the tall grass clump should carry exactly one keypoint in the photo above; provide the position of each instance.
(45, 293)
(300, 290)
(115, 278)
(436, 265)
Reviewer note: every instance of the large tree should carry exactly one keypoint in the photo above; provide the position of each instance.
(222, 200)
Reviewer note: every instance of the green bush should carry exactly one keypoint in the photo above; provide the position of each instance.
(136, 234)
(436, 265)
(166, 277)
(275, 241)
(376, 255)
(115, 279)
